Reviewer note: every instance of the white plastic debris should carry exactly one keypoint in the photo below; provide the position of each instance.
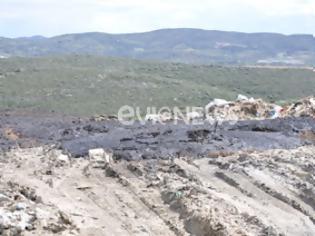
(193, 115)
(251, 100)
(241, 97)
(20, 206)
(217, 102)
(276, 112)
(312, 101)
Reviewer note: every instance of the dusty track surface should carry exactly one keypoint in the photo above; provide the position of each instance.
(240, 193)
(240, 178)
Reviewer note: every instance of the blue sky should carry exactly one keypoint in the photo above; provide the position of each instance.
(53, 17)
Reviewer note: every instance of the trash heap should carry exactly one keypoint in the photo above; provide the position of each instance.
(243, 108)
(22, 210)
(302, 108)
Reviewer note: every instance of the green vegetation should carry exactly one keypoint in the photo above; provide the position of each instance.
(87, 85)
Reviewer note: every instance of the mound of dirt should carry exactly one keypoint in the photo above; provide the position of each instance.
(228, 194)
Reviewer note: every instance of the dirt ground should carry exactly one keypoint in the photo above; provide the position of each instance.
(43, 192)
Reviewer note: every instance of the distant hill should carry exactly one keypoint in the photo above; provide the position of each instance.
(176, 45)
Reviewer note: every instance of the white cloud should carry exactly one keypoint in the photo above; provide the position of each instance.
(51, 17)
(283, 7)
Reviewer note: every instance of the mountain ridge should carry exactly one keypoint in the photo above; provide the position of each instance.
(187, 45)
(162, 29)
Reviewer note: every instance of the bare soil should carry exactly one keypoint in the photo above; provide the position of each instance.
(272, 192)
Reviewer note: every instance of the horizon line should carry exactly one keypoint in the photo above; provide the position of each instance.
(160, 29)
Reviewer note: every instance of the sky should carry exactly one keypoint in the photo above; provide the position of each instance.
(19, 18)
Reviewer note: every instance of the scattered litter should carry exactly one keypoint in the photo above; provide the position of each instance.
(241, 97)
(20, 213)
(217, 103)
(152, 117)
(193, 115)
(245, 108)
(276, 112)
(156, 118)
(302, 108)
(242, 109)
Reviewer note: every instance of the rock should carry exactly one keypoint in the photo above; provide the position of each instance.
(197, 135)
(135, 169)
(99, 157)
(95, 128)
(65, 219)
(55, 228)
(127, 155)
(63, 158)
(110, 172)
(96, 153)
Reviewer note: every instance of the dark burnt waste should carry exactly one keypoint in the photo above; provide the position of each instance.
(151, 141)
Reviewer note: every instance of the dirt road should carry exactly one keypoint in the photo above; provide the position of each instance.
(257, 193)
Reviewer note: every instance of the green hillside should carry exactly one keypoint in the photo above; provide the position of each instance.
(87, 85)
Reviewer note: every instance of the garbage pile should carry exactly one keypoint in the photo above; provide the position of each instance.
(16, 213)
(302, 108)
(22, 210)
(243, 108)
